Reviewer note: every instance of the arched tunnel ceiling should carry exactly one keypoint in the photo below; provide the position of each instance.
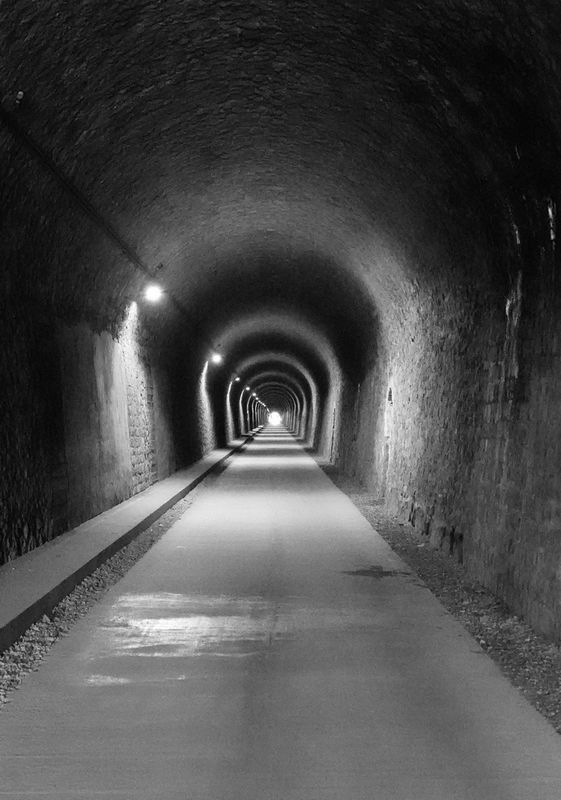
(275, 392)
(277, 396)
(278, 379)
(283, 384)
(270, 276)
(317, 156)
(248, 339)
(283, 375)
(280, 365)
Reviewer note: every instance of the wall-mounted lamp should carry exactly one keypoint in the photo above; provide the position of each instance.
(253, 394)
(216, 358)
(247, 388)
(153, 293)
(237, 379)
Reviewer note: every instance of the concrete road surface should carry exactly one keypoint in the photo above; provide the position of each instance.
(272, 647)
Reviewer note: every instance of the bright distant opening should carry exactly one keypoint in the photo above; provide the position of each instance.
(275, 418)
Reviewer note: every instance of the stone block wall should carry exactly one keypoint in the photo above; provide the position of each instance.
(470, 450)
(435, 374)
(86, 421)
(118, 415)
(168, 456)
(411, 426)
(33, 487)
(93, 382)
(516, 484)
(140, 404)
(206, 412)
(364, 446)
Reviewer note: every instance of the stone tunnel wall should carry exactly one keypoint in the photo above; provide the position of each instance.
(117, 417)
(86, 421)
(363, 447)
(32, 465)
(469, 449)
(515, 491)
(411, 425)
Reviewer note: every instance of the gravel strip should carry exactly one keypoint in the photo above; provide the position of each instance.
(531, 662)
(26, 654)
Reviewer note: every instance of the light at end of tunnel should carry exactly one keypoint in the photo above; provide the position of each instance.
(153, 293)
(275, 418)
(216, 358)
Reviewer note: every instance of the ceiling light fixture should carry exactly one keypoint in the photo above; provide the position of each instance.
(153, 293)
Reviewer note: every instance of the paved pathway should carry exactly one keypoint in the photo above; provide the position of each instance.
(272, 647)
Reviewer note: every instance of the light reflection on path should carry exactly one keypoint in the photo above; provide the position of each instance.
(168, 625)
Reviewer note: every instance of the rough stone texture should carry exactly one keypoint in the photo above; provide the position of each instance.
(85, 423)
(118, 416)
(32, 468)
(474, 454)
(364, 445)
(206, 412)
(140, 404)
(166, 455)
(516, 532)
(95, 422)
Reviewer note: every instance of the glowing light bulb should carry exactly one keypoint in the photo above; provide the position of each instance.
(153, 293)
(216, 358)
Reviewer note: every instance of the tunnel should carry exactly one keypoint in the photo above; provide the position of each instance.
(342, 214)
(355, 208)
